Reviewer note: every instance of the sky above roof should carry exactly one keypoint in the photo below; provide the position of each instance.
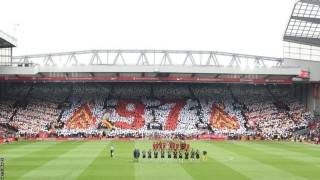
(242, 26)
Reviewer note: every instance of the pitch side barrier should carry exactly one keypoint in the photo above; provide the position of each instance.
(7, 140)
(200, 137)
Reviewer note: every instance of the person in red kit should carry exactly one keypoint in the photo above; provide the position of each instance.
(163, 146)
(154, 146)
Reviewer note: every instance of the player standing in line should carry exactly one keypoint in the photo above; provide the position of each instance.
(204, 156)
(154, 146)
(180, 156)
(135, 155)
(197, 154)
(144, 153)
(155, 154)
(169, 154)
(175, 154)
(162, 153)
(192, 154)
(186, 155)
(149, 154)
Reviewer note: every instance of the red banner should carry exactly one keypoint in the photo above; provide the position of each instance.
(43, 135)
(304, 74)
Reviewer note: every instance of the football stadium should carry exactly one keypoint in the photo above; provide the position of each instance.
(135, 114)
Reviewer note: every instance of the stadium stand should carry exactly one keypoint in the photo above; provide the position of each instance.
(133, 109)
(39, 110)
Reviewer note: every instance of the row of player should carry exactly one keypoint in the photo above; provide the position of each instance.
(175, 154)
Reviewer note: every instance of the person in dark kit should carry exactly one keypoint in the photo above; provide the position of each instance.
(192, 154)
(144, 154)
(136, 154)
(169, 154)
(204, 157)
(149, 154)
(175, 154)
(180, 154)
(162, 154)
(155, 154)
(186, 154)
(197, 154)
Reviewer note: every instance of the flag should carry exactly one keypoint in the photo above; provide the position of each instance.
(106, 124)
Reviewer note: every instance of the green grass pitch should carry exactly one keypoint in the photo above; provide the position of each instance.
(232, 160)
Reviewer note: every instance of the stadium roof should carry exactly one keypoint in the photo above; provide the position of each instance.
(6, 40)
(149, 65)
(304, 24)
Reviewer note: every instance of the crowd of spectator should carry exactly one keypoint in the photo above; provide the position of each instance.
(8, 98)
(271, 110)
(120, 109)
(6, 110)
(314, 131)
(39, 110)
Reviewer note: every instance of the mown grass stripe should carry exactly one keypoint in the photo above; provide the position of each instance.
(25, 149)
(76, 161)
(283, 150)
(295, 167)
(118, 168)
(16, 168)
(246, 165)
(298, 148)
(210, 169)
(14, 145)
